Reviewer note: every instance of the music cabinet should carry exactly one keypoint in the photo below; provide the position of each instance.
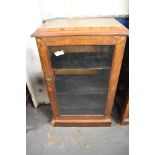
(81, 61)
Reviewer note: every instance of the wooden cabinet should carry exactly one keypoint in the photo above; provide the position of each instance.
(81, 61)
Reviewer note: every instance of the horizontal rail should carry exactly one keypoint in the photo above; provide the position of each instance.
(79, 71)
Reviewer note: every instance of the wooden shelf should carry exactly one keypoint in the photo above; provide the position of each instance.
(79, 71)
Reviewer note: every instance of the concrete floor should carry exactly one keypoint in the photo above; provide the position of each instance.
(43, 139)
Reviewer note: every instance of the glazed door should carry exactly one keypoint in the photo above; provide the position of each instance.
(81, 77)
(81, 74)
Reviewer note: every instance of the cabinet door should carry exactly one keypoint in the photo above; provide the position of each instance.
(81, 74)
(81, 77)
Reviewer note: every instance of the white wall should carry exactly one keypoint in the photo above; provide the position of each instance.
(83, 8)
(33, 66)
(39, 10)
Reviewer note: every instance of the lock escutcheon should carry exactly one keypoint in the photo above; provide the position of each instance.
(48, 80)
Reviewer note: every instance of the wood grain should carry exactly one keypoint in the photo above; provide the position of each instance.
(80, 40)
(114, 75)
(78, 71)
(82, 121)
(49, 77)
(83, 26)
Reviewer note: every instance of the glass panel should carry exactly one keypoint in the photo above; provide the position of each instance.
(83, 92)
(101, 56)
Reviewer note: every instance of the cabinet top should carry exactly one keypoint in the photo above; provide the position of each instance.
(80, 26)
